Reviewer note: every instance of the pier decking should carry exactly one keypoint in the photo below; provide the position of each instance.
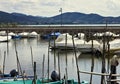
(63, 29)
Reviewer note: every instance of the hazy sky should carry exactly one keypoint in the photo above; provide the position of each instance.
(51, 7)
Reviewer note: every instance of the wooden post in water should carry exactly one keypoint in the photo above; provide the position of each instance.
(18, 64)
(76, 60)
(54, 53)
(48, 60)
(59, 65)
(103, 59)
(7, 42)
(43, 67)
(108, 60)
(4, 62)
(35, 77)
(32, 57)
(66, 56)
(92, 62)
(17, 57)
(108, 54)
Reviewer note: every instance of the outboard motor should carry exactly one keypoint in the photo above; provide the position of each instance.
(55, 76)
(13, 73)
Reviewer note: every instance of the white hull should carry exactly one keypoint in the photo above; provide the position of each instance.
(5, 38)
(80, 45)
(28, 35)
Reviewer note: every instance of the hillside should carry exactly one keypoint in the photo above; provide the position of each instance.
(65, 18)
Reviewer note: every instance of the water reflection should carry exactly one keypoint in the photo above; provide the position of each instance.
(40, 48)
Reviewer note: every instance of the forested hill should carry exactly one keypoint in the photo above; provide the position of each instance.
(65, 18)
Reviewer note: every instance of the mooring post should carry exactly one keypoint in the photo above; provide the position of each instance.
(34, 82)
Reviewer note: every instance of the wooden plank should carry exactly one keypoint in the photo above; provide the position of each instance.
(96, 73)
(114, 80)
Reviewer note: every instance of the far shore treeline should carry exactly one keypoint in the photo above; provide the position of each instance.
(5, 25)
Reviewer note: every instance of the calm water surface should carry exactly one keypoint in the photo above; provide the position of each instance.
(40, 48)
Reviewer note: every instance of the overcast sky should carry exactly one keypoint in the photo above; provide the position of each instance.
(51, 7)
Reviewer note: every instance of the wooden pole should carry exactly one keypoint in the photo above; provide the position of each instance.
(108, 54)
(18, 64)
(16, 57)
(48, 60)
(103, 58)
(7, 42)
(35, 76)
(92, 63)
(43, 67)
(76, 60)
(54, 54)
(32, 57)
(59, 65)
(99, 74)
(66, 55)
(61, 16)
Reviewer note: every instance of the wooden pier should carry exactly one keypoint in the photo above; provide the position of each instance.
(62, 29)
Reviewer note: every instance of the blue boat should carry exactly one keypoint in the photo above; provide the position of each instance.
(16, 36)
(53, 35)
(56, 34)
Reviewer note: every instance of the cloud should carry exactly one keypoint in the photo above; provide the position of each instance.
(51, 3)
(113, 7)
(51, 7)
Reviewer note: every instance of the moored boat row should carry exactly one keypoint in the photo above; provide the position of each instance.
(65, 41)
(4, 36)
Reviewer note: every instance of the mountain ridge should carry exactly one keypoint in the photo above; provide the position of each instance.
(65, 18)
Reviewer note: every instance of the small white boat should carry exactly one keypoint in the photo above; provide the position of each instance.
(11, 34)
(109, 34)
(3, 33)
(24, 34)
(14, 36)
(61, 40)
(62, 37)
(5, 38)
(32, 34)
(98, 34)
(28, 35)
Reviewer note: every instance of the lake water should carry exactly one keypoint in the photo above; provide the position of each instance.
(40, 48)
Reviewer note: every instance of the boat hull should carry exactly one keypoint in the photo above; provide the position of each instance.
(40, 82)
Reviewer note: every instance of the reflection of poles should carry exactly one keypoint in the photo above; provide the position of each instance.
(76, 60)
(43, 67)
(32, 57)
(4, 63)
